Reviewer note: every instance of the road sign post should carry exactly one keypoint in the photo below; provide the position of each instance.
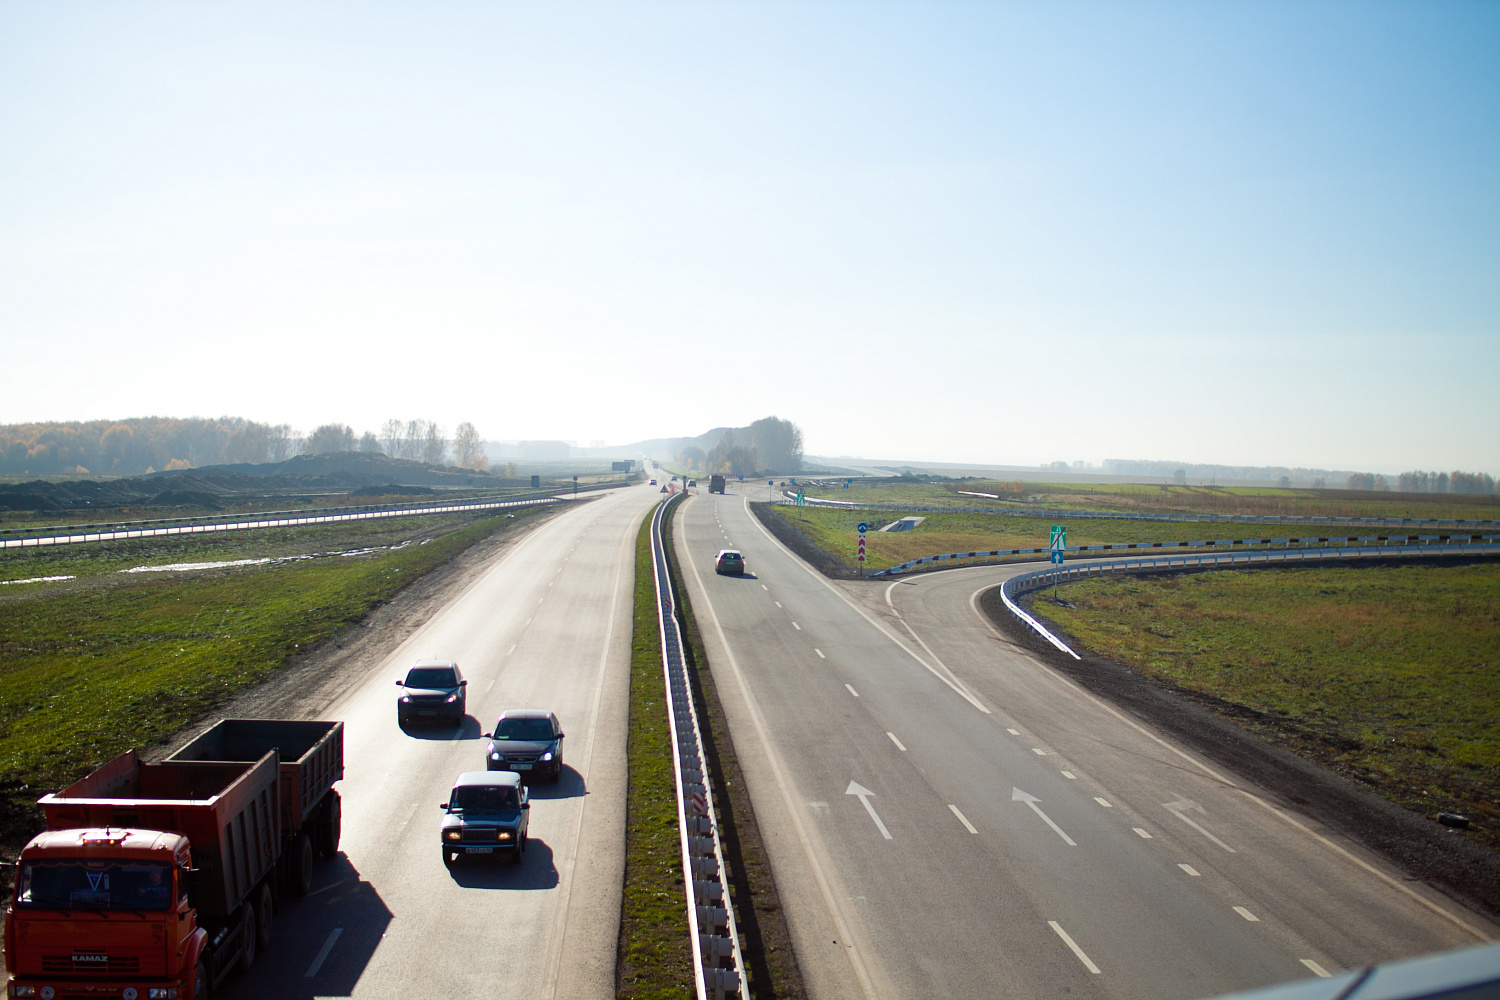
(1058, 544)
(863, 527)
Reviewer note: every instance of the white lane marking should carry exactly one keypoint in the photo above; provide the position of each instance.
(1014, 732)
(1180, 807)
(1016, 795)
(1316, 969)
(962, 818)
(1247, 914)
(317, 963)
(530, 620)
(851, 690)
(1070, 775)
(512, 648)
(940, 671)
(1188, 868)
(764, 587)
(820, 653)
(796, 626)
(1039, 752)
(1141, 833)
(855, 788)
(1103, 802)
(899, 745)
(777, 603)
(845, 921)
(402, 825)
(491, 685)
(1087, 962)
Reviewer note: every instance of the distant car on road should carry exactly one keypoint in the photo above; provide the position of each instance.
(526, 740)
(692, 482)
(486, 813)
(729, 561)
(434, 690)
(652, 483)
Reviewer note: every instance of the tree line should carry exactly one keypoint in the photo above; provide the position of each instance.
(1471, 483)
(143, 445)
(771, 445)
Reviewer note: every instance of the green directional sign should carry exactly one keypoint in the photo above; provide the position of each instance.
(1059, 536)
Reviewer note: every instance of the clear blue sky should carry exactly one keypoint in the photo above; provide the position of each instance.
(1256, 233)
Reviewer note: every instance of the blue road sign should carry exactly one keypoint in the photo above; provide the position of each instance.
(863, 528)
(1057, 557)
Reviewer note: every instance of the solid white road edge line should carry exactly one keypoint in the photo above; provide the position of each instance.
(317, 963)
(1088, 963)
(962, 818)
(794, 812)
(951, 681)
(1324, 841)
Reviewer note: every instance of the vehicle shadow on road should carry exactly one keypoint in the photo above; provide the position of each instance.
(469, 729)
(570, 784)
(535, 871)
(747, 575)
(302, 930)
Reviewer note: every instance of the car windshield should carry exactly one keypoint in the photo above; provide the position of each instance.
(431, 677)
(484, 799)
(76, 884)
(523, 729)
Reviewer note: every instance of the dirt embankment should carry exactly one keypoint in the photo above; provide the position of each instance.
(1467, 871)
(799, 543)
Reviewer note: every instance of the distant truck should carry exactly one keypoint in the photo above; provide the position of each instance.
(156, 880)
(716, 484)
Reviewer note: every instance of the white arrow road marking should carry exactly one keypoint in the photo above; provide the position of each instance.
(317, 963)
(855, 788)
(1087, 962)
(1183, 805)
(1016, 795)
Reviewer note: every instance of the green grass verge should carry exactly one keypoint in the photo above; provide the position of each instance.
(95, 667)
(1389, 675)
(655, 956)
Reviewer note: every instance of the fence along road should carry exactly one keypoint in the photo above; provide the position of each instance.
(965, 822)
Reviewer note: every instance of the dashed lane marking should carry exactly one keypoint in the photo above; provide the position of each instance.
(317, 963)
(1014, 732)
(820, 653)
(1188, 868)
(1039, 751)
(1316, 969)
(1141, 833)
(851, 690)
(1070, 775)
(962, 818)
(1087, 962)
(1103, 802)
(899, 745)
(796, 626)
(1247, 914)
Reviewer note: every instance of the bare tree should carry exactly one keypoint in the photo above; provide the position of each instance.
(434, 445)
(468, 449)
(390, 438)
(412, 438)
(279, 441)
(330, 438)
(369, 444)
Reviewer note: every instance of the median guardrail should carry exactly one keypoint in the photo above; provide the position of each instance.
(1051, 576)
(948, 560)
(1370, 522)
(718, 967)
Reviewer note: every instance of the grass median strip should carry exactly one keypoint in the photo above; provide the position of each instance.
(109, 661)
(1385, 674)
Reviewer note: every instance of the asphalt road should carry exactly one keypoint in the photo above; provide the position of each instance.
(946, 816)
(548, 626)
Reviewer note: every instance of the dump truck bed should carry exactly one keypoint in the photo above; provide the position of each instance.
(311, 753)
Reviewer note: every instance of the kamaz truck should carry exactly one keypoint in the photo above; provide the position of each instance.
(716, 484)
(156, 881)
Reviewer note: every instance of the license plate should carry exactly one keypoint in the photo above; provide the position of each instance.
(481, 850)
(424, 712)
(521, 767)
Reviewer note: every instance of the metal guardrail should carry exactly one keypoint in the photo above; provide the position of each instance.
(948, 560)
(718, 967)
(1372, 522)
(1027, 582)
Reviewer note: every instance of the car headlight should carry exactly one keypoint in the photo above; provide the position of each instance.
(453, 834)
(406, 699)
(505, 834)
(452, 698)
(547, 755)
(495, 756)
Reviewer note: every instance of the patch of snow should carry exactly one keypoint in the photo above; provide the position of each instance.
(37, 579)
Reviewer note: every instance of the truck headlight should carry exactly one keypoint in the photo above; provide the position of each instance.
(452, 834)
(23, 991)
(504, 835)
(406, 699)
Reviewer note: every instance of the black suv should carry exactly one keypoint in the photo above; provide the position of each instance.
(433, 690)
(529, 740)
(486, 814)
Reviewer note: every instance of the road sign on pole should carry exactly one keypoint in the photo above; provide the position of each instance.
(1057, 557)
(863, 527)
(1059, 536)
(801, 500)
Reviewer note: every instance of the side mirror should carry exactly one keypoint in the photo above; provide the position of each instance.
(526, 805)
(463, 684)
(443, 806)
(561, 735)
(489, 736)
(401, 684)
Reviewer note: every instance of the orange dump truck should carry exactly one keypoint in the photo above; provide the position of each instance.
(155, 881)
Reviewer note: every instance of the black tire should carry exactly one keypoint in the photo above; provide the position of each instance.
(248, 938)
(557, 773)
(299, 867)
(201, 983)
(263, 911)
(330, 825)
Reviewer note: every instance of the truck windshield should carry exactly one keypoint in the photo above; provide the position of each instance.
(77, 884)
(484, 798)
(523, 729)
(431, 677)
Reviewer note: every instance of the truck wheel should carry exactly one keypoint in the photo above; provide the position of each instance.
(299, 866)
(247, 939)
(330, 826)
(200, 983)
(263, 918)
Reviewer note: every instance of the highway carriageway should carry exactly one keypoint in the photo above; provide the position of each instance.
(946, 815)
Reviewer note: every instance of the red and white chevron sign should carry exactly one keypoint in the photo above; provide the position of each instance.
(700, 804)
(861, 548)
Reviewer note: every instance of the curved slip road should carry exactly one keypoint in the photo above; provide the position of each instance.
(548, 625)
(965, 822)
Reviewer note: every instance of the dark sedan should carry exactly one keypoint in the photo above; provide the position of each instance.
(485, 814)
(432, 692)
(526, 740)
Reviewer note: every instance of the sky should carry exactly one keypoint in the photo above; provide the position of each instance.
(1251, 233)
